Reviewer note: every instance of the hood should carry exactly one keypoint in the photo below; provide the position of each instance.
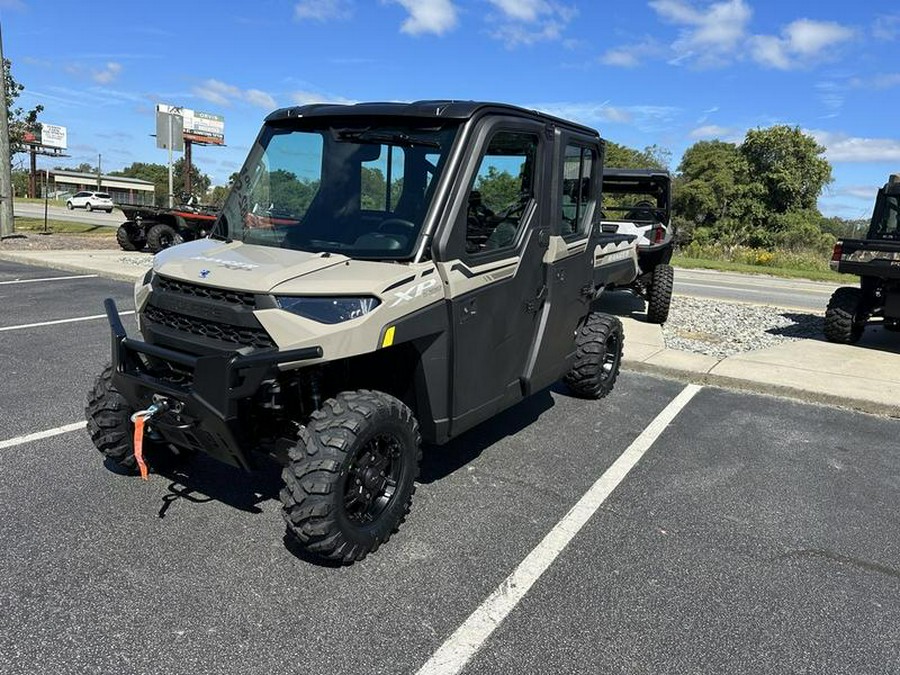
(245, 267)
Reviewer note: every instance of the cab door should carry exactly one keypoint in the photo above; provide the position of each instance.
(575, 184)
(491, 263)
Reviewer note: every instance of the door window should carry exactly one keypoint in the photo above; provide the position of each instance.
(577, 181)
(501, 192)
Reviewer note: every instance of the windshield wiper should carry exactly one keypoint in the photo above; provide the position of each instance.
(396, 138)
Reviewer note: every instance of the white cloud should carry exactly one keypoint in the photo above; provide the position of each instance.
(526, 22)
(108, 74)
(882, 81)
(709, 131)
(647, 118)
(428, 16)
(631, 55)
(886, 28)
(866, 192)
(323, 10)
(223, 94)
(709, 37)
(304, 97)
(622, 57)
(260, 99)
(843, 148)
(521, 10)
(800, 43)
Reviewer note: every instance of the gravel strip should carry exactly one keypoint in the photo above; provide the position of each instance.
(34, 241)
(722, 329)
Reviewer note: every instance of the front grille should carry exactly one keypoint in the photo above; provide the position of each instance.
(196, 291)
(243, 336)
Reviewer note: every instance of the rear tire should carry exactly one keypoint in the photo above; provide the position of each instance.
(598, 356)
(109, 424)
(659, 296)
(351, 476)
(842, 323)
(130, 237)
(162, 236)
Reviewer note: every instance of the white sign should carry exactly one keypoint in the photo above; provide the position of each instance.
(199, 127)
(53, 136)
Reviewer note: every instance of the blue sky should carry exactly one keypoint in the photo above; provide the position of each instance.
(667, 72)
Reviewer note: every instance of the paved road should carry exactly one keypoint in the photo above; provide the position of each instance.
(755, 535)
(756, 289)
(34, 210)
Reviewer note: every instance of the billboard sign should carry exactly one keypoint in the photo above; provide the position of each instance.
(47, 136)
(198, 127)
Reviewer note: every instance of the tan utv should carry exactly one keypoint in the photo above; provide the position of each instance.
(381, 275)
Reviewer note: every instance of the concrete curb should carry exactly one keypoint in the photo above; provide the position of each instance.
(29, 258)
(782, 391)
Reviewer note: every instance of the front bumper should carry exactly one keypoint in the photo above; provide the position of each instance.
(205, 400)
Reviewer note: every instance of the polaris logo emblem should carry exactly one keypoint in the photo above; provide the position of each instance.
(416, 291)
(204, 274)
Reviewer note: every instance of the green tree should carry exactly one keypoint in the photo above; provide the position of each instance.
(789, 164)
(623, 157)
(158, 174)
(21, 121)
(153, 173)
(200, 182)
(84, 167)
(499, 189)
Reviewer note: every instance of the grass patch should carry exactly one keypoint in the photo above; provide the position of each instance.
(745, 268)
(63, 227)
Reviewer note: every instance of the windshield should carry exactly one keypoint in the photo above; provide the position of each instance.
(362, 191)
(885, 222)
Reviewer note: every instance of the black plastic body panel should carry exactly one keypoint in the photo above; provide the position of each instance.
(209, 420)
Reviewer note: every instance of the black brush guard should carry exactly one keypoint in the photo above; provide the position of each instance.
(203, 414)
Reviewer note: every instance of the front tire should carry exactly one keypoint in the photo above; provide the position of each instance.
(88, 207)
(842, 323)
(598, 356)
(659, 296)
(70, 206)
(162, 236)
(109, 424)
(130, 237)
(351, 475)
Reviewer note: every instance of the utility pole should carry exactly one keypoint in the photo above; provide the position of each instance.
(6, 193)
(99, 172)
(171, 173)
(187, 167)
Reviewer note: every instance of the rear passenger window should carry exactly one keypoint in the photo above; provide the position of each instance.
(501, 193)
(578, 167)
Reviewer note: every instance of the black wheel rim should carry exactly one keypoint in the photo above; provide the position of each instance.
(372, 479)
(610, 358)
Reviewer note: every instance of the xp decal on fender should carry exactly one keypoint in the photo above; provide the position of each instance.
(369, 286)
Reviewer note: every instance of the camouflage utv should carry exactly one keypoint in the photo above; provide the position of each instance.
(381, 275)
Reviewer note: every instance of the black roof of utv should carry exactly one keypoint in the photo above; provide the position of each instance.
(450, 110)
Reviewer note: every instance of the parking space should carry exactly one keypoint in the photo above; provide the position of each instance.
(755, 535)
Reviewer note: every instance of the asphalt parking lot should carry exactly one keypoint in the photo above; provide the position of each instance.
(755, 535)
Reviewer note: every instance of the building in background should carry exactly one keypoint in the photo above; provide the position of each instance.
(122, 190)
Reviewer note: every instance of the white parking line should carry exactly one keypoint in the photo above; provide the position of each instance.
(32, 281)
(58, 321)
(12, 442)
(459, 648)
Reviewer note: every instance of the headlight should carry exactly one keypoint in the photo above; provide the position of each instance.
(328, 310)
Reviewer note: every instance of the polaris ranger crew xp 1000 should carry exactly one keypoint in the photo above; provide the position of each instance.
(381, 275)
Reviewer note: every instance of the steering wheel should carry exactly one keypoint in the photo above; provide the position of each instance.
(397, 226)
(517, 209)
